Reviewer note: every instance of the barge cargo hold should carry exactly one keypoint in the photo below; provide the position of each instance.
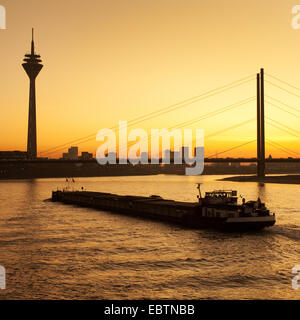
(218, 209)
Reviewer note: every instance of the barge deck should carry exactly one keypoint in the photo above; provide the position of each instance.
(221, 215)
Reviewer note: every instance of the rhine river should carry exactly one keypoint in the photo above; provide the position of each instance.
(56, 251)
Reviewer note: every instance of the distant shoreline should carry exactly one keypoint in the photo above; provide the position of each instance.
(287, 179)
(283, 179)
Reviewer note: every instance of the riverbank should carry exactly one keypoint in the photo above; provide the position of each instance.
(287, 179)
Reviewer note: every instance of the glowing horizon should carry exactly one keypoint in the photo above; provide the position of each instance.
(105, 62)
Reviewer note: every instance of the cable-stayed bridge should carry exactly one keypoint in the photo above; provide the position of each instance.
(261, 120)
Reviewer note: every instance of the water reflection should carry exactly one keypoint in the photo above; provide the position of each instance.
(30, 190)
(261, 190)
(55, 251)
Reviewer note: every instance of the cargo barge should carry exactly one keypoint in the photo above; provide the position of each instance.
(218, 209)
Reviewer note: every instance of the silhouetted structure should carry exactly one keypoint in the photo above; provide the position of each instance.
(72, 154)
(260, 125)
(32, 66)
(86, 156)
(13, 155)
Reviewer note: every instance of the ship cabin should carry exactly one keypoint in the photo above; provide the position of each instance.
(221, 197)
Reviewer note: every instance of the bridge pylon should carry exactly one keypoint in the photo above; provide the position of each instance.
(261, 157)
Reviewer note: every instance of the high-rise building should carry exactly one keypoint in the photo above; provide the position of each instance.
(73, 153)
(86, 156)
(32, 66)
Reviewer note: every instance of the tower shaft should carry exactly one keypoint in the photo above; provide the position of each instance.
(31, 138)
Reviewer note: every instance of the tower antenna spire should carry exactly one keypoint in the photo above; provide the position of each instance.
(32, 42)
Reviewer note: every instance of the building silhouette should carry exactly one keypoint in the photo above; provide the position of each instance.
(86, 156)
(72, 154)
(13, 155)
(32, 65)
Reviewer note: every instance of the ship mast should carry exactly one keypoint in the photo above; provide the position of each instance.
(199, 188)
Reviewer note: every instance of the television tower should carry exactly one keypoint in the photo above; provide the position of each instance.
(32, 66)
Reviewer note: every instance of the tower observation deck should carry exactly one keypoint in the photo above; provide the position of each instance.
(32, 65)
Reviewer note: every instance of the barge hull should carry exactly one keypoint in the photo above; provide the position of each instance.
(183, 213)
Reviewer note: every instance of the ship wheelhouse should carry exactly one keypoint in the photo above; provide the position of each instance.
(221, 197)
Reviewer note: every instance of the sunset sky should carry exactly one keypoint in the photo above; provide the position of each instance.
(111, 60)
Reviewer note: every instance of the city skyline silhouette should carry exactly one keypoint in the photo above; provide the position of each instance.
(76, 82)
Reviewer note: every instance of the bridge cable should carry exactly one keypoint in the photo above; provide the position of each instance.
(283, 125)
(276, 126)
(167, 109)
(283, 103)
(282, 109)
(239, 146)
(275, 85)
(282, 81)
(209, 115)
(283, 148)
(205, 116)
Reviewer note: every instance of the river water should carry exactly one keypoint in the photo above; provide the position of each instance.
(56, 251)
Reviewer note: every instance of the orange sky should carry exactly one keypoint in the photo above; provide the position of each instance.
(111, 60)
